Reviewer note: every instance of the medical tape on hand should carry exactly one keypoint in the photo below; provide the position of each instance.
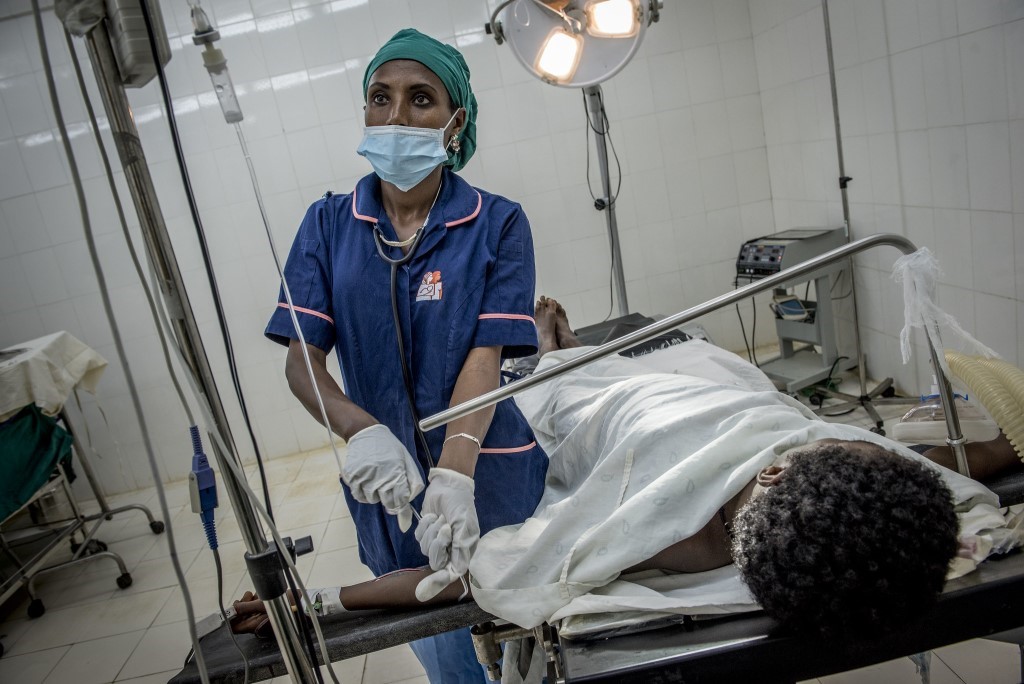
(326, 601)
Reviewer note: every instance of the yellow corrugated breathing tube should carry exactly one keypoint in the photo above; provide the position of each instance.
(999, 387)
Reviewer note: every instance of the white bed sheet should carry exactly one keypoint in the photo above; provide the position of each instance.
(639, 461)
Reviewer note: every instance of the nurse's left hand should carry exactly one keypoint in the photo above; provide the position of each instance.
(449, 530)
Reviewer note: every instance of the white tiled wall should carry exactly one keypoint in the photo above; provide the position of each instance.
(685, 118)
(722, 124)
(931, 101)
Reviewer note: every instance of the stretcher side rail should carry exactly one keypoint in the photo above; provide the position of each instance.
(785, 277)
(347, 635)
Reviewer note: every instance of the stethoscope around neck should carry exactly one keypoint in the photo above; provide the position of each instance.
(412, 243)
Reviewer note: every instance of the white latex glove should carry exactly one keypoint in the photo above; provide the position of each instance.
(435, 537)
(434, 583)
(379, 469)
(448, 530)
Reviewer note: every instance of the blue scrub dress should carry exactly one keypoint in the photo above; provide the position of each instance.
(469, 284)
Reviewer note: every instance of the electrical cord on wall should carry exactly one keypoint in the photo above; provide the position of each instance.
(607, 134)
(609, 203)
(836, 282)
(118, 342)
(739, 316)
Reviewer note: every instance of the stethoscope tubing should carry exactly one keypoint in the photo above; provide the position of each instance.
(406, 374)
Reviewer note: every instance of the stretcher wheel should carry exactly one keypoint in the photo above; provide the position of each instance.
(124, 581)
(157, 526)
(36, 608)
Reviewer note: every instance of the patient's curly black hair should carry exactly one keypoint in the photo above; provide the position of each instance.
(847, 543)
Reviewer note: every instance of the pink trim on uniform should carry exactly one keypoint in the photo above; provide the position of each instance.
(327, 318)
(359, 216)
(512, 450)
(476, 212)
(513, 317)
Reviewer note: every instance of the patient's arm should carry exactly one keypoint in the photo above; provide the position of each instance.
(395, 590)
(985, 459)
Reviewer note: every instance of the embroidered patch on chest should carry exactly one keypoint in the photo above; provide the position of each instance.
(430, 287)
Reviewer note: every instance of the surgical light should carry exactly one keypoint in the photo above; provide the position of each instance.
(612, 18)
(560, 55)
(580, 44)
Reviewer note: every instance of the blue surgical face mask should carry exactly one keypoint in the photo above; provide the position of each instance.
(403, 155)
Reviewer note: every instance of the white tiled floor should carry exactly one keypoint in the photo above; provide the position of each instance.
(94, 633)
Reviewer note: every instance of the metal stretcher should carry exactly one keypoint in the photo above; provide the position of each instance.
(984, 603)
(988, 602)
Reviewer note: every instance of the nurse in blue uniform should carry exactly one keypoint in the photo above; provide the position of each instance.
(464, 302)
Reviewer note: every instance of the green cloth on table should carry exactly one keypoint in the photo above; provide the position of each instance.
(31, 446)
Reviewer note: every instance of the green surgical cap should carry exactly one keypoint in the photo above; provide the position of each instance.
(449, 66)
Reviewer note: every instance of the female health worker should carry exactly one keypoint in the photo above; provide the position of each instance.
(464, 301)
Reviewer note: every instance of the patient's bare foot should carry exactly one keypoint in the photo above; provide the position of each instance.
(545, 314)
(566, 337)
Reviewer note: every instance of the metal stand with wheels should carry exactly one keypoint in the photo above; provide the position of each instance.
(883, 393)
(88, 549)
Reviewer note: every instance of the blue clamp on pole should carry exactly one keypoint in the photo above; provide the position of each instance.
(202, 487)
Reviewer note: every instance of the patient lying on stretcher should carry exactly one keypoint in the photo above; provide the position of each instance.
(832, 534)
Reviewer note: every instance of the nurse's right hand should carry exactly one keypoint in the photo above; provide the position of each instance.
(379, 469)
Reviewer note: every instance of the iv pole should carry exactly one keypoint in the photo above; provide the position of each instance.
(866, 399)
(161, 255)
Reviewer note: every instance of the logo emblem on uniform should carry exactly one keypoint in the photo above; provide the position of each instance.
(430, 287)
